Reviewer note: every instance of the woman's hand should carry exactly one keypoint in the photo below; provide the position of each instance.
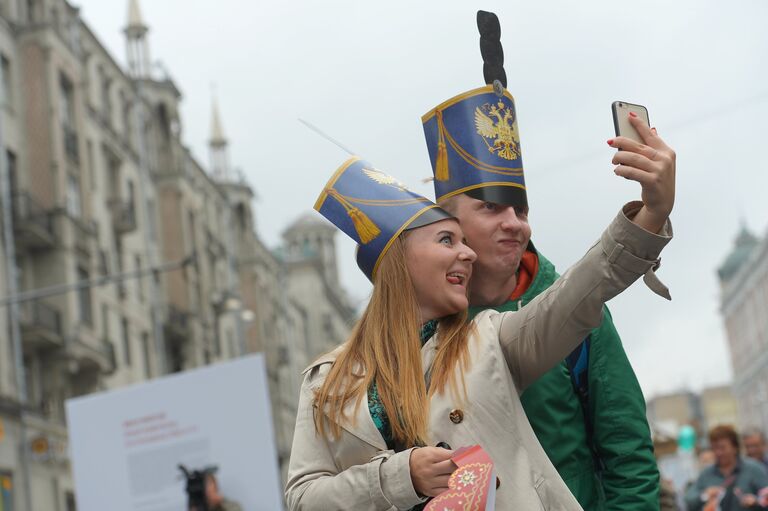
(652, 164)
(430, 469)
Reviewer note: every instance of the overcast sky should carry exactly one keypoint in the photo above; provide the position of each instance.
(366, 72)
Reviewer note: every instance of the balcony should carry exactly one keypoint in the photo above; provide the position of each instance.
(32, 223)
(123, 216)
(70, 145)
(91, 354)
(41, 327)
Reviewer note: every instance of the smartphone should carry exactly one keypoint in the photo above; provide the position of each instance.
(621, 123)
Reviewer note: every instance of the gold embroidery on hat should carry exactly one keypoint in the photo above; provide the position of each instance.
(478, 164)
(383, 178)
(503, 131)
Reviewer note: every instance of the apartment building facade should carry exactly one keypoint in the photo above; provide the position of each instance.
(164, 268)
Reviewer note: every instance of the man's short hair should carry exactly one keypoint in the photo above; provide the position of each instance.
(753, 432)
(725, 431)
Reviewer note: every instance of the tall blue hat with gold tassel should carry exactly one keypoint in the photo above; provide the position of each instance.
(373, 208)
(473, 139)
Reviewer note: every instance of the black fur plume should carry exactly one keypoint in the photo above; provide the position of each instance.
(490, 47)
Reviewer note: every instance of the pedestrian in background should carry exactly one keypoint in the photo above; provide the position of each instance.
(667, 496)
(754, 445)
(733, 483)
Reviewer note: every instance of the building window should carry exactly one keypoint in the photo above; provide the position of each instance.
(174, 354)
(84, 298)
(152, 216)
(163, 121)
(122, 289)
(231, 344)
(192, 245)
(106, 100)
(67, 107)
(127, 113)
(70, 502)
(91, 163)
(67, 113)
(12, 172)
(132, 195)
(7, 98)
(139, 280)
(74, 205)
(146, 351)
(103, 263)
(35, 11)
(283, 357)
(126, 342)
(105, 321)
(217, 338)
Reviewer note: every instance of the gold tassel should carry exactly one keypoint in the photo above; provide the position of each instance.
(441, 171)
(364, 226)
(441, 165)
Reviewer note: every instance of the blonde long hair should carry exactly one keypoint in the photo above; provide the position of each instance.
(385, 345)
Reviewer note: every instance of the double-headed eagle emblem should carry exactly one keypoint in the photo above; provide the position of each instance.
(502, 131)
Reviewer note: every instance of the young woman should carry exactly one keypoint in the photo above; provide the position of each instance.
(414, 373)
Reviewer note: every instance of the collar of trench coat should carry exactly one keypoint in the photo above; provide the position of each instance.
(362, 425)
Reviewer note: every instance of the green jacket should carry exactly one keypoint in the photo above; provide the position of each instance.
(629, 480)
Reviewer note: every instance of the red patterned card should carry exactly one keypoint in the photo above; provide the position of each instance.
(472, 486)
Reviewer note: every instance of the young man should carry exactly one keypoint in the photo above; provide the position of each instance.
(589, 412)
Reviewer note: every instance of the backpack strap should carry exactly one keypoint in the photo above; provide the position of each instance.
(578, 369)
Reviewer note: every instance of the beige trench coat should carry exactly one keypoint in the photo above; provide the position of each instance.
(508, 352)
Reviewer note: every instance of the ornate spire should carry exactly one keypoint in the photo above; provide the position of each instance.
(217, 133)
(136, 39)
(217, 145)
(135, 21)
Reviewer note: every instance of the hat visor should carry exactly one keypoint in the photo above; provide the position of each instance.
(429, 216)
(507, 195)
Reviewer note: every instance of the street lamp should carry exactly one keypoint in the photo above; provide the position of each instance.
(225, 303)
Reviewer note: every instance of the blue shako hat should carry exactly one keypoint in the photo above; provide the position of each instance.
(473, 140)
(373, 208)
(474, 147)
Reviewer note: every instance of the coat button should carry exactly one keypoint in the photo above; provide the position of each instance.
(456, 416)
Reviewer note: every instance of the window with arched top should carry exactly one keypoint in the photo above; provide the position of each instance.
(35, 11)
(242, 216)
(164, 121)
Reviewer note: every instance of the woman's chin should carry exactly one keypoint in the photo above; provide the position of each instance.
(459, 304)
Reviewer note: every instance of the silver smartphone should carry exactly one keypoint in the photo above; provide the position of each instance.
(621, 123)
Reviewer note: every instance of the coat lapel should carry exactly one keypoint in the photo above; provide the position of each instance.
(360, 423)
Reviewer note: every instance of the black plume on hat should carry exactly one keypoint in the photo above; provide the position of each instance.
(490, 48)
